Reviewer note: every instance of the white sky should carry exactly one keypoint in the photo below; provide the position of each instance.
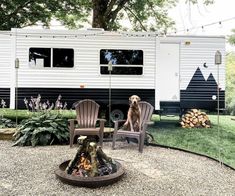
(199, 15)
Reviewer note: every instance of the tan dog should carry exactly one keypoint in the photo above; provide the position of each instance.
(134, 113)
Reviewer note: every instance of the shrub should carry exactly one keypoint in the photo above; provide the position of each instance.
(42, 129)
(6, 123)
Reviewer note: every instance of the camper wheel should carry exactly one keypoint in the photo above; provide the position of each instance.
(117, 113)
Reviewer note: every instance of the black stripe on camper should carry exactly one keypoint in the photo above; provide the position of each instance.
(5, 95)
(200, 91)
(72, 95)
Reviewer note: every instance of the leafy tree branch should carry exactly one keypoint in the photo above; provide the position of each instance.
(105, 14)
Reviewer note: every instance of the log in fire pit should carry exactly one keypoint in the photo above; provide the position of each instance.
(91, 167)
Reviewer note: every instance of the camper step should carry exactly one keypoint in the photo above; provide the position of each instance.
(170, 110)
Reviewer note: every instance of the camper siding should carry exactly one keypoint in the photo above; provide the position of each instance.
(72, 95)
(86, 59)
(5, 53)
(198, 72)
(200, 50)
(198, 81)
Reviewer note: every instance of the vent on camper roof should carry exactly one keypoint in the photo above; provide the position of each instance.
(95, 29)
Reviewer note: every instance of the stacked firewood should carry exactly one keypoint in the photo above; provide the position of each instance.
(194, 118)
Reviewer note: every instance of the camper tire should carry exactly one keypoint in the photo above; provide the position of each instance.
(117, 113)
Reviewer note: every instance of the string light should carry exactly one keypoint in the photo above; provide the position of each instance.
(77, 35)
(205, 25)
(125, 33)
(203, 29)
(220, 24)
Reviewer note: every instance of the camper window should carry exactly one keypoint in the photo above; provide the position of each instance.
(63, 57)
(51, 57)
(40, 57)
(125, 62)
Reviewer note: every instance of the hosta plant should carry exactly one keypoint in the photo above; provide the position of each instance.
(6, 123)
(43, 129)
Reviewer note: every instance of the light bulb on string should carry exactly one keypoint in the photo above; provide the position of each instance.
(220, 25)
(203, 29)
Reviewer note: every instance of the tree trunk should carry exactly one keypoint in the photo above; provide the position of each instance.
(99, 8)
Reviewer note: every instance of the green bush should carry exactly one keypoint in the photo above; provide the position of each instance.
(42, 129)
(6, 123)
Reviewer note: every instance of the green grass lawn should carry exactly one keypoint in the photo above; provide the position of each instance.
(201, 140)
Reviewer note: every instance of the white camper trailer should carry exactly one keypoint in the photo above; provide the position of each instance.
(172, 72)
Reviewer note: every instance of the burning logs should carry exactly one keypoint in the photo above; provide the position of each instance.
(194, 118)
(90, 160)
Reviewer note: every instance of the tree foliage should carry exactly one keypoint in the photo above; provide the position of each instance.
(230, 77)
(231, 38)
(21, 13)
(230, 83)
(107, 14)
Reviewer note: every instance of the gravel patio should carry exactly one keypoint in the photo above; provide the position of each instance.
(158, 171)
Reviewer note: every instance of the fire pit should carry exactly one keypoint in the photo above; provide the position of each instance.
(91, 167)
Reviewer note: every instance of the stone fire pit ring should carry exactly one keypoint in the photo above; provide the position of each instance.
(91, 182)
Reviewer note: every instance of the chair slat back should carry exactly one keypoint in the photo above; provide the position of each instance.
(87, 113)
(146, 111)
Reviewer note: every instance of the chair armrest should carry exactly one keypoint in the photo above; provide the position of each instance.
(102, 121)
(72, 121)
(72, 124)
(117, 123)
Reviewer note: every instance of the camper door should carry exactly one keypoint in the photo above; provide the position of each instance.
(169, 72)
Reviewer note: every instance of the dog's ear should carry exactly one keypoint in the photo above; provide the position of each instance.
(130, 99)
(138, 98)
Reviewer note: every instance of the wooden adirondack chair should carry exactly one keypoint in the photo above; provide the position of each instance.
(87, 116)
(146, 113)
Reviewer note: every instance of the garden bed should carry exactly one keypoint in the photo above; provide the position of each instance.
(7, 133)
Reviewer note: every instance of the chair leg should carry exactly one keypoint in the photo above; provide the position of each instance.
(101, 136)
(101, 133)
(71, 131)
(71, 138)
(114, 140)
(141, 143)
